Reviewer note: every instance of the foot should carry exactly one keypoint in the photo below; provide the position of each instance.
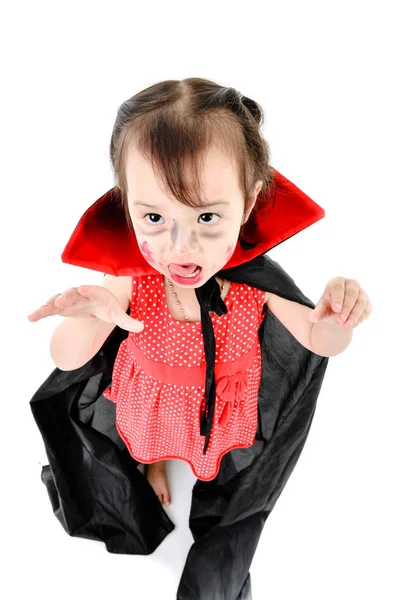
(157, 477)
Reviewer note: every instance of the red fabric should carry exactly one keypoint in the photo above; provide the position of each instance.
(101, 240)
(159, 373)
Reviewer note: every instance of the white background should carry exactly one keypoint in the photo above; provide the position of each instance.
(326, 75)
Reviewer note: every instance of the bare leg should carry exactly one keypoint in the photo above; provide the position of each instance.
(157, 477)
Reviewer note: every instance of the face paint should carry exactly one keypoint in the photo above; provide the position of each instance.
(144, 249)
(193, 242)
(174, 232)
(213, 236)
(149, 233)
(193, 239)
(181, 236)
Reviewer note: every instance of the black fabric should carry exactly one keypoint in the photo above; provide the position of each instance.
(97, 491)
(209, 298)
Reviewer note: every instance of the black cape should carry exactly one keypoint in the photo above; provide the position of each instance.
(97, 491)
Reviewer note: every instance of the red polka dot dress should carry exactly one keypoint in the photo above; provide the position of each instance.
(158, 380)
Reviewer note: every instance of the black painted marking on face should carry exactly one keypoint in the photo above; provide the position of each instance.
(212, 236)
(174, 235)
(148, 233)
(174, 232)
(193, 238)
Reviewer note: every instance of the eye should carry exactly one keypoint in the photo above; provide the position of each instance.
(210, 215)
(154, 222)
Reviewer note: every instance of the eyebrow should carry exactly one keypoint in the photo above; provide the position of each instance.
(220, 202)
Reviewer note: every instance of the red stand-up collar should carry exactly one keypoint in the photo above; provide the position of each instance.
(102, 241)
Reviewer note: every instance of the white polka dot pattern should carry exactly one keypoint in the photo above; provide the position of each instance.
(158, 414)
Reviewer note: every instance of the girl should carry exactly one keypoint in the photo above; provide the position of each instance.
(196, 190)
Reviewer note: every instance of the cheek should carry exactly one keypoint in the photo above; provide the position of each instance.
(229, 251)
(152, 253)
(222, 254)
(145, 250)
(147, 253)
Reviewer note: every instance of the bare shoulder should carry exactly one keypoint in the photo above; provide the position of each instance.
(121, 287)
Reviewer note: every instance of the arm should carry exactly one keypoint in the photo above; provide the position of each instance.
(75, 342)
(324, 339)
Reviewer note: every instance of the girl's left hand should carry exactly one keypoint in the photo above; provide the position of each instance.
(355, 305)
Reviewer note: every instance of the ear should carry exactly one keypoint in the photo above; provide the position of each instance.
(254, 196)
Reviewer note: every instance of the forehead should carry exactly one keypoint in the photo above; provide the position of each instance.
(218, 174)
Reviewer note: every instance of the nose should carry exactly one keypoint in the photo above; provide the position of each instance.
(182, 241)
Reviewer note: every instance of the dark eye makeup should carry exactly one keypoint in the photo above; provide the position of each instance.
(157, 215)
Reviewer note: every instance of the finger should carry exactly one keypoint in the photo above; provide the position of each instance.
(352, 290)
(85, 290)
(123, 320)
(45, 310)
(94, 292)
(320, 311)
(70, 299)
(336, 289)
(355, 314)
(364, 314)
(70, 296)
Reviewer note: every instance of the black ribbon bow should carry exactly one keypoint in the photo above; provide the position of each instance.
(209, 298)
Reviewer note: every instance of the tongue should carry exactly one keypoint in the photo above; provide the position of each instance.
(182, 271)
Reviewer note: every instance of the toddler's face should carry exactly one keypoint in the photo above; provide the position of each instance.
(170, 232)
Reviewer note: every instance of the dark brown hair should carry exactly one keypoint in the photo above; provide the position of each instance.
(173, 123)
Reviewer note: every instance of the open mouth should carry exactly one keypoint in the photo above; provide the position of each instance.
(185, 273)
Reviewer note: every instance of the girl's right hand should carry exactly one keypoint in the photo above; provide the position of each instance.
(87, 303)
